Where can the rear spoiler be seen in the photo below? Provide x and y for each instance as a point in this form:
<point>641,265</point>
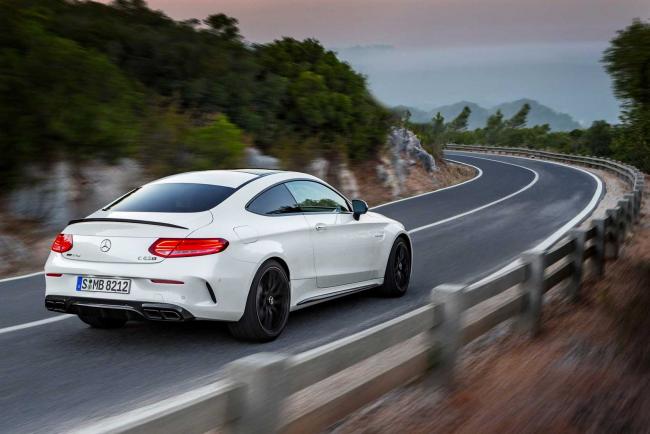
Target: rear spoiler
<point>142,222</point>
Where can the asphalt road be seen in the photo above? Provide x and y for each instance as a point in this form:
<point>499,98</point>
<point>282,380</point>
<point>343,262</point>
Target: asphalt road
<point>61,375</point>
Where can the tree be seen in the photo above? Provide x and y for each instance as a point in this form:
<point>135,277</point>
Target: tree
<point>627,60</point>
<point>597,139</point>
<point>216,145</point>
<point>438,125</point>
<point>59,98</point>
<point>519,119</point>
<point>324,98</point>
<point>460,122</point>
<point>493,128</point>
<point>87,79</point>
<point>223,26</point>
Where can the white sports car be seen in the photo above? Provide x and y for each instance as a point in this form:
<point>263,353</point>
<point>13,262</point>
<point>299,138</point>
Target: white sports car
<point>243,246</point>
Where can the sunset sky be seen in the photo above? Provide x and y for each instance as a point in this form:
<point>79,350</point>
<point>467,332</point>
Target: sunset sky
<point>409,23</point>
<point>487,51</point>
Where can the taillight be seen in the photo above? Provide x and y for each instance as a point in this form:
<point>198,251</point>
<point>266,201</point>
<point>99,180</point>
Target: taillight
<point>183,247</point>
<point>62,243</point>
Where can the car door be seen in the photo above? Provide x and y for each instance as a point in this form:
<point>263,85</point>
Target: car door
<point>279,225</point>
<point>343,248</point>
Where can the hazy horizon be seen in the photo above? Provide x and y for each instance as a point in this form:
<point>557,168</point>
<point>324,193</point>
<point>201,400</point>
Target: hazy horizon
<point>444,51</point>
<point>567,78</point>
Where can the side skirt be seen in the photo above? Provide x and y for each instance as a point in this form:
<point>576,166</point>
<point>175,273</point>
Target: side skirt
<point>332,295</point>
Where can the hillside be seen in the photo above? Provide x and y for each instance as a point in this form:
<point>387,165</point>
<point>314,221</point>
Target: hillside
<point>120,80</point>
<point>539,114</point>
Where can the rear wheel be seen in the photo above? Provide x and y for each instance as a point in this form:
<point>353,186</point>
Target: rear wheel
<point>101,322</point>
<point>267,306</point>
<point>398,270</point>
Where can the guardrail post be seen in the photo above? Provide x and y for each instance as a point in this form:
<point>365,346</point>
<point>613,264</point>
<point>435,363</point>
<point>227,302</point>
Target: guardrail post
<point>264,375</point>
<point>533,287</point>
<point>573,288</point>
<point>613,234</point>
<point>624,205</point>
<point>631,198</point>
<point>599,242</point>
<point>448,336</point>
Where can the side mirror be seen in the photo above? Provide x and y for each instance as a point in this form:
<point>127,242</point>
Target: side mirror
<point>358,207</point>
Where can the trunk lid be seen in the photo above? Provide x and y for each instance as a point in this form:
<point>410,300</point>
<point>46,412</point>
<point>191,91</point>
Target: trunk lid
<point>125,237</point>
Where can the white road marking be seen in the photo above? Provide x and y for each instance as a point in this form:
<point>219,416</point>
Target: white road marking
<point>471,211</point>
<point>24,276</point>
<point>478,171</point>
<point>560,233</point>
<point>34,324</point>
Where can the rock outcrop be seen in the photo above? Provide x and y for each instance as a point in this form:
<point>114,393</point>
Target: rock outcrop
<point>256,159</point>
<point>66,192</point>
<point>404,151</point>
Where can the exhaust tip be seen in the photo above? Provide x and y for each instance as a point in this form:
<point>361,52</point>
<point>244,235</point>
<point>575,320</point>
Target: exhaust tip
<point>170,315</point>
<point>55,305</point>
<point>162,314</point>
<point>152,313</point>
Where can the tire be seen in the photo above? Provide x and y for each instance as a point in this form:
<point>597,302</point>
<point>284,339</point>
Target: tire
<point>101,322</point>
<point>398,270</point>
<point>267,306</point>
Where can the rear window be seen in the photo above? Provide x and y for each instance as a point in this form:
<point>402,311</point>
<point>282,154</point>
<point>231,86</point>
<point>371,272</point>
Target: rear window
<point>172,197</point>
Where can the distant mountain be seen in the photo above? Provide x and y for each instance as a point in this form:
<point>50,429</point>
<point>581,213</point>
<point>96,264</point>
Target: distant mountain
<point>539,114</point>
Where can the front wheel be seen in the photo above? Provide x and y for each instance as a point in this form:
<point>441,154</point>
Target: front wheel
<point>398,270</point>
<point>267,306</point>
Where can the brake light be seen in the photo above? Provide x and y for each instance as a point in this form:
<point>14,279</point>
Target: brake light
<point>62,243</point>
<point>183,247</point>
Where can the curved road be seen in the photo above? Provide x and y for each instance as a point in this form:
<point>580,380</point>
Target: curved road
<point>61,375</point>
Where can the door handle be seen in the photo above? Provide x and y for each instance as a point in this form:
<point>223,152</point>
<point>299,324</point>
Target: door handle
<point>320,226</point>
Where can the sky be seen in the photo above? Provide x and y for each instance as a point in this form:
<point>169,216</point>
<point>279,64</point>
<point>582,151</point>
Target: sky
<point>429,53</point>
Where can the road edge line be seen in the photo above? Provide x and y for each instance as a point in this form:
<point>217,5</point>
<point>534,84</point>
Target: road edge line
<point>31,324</point>
<point>482,207</point>
<point>478,175</point>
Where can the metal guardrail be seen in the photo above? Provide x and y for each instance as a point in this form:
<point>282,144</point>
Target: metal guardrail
<point>251,397</point>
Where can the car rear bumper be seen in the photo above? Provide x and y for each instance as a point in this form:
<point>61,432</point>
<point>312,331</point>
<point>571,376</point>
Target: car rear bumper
<point>209,287</point>
<point>136,310</point>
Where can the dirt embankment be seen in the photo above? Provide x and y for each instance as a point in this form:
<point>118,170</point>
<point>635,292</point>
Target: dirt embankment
<point>588,371</point>
<point>417,182</point>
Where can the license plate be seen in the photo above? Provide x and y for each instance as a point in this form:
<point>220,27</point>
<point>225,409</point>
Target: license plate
<point>103,284</point>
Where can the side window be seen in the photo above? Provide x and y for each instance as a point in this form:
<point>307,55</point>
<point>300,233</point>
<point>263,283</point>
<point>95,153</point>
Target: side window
<point>315,197</point>
<point>275,200</point>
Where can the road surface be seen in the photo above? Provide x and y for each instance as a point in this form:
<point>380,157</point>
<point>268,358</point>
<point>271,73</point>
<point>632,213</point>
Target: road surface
<point>60,375</point>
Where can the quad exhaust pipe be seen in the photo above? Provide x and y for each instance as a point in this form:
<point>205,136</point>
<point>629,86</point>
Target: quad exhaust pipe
<point>150,311</point>
<point>161,314</point>
<point>55,305</point>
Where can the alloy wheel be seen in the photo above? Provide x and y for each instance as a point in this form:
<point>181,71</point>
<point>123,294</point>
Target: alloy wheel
<point>272,293</point>
<point>402,266</point>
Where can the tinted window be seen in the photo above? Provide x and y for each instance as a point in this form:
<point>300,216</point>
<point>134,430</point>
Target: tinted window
<point>171,197</point>
<point>275,200</point>
<point>315,197</point>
